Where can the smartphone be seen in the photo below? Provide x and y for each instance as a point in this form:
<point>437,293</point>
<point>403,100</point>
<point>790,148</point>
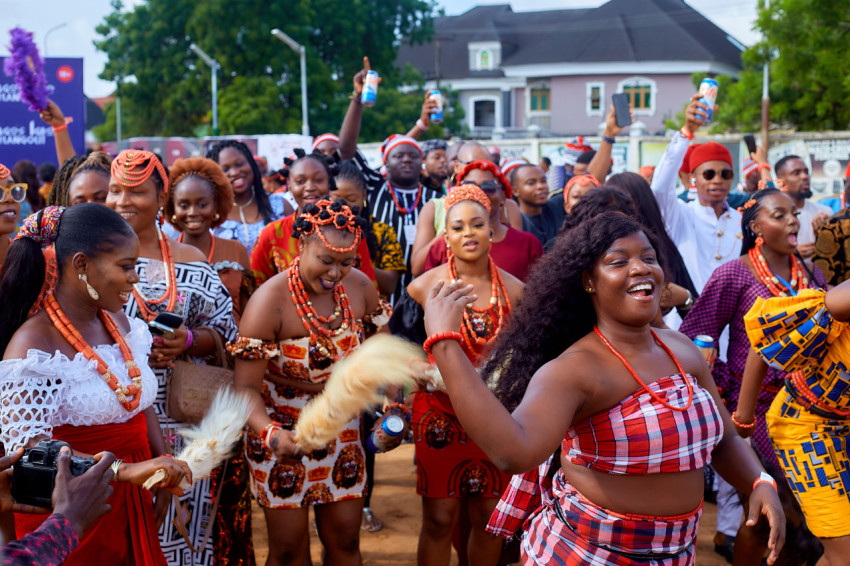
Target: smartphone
<point>621,109</point>
<point>750,140</point>
<point>165,324</point>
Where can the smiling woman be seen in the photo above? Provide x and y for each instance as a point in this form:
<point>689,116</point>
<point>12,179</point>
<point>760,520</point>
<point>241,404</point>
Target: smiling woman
<point>10,209</point>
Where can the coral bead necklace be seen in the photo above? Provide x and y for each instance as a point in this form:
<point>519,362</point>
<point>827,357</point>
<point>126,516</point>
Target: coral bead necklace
<point>170,283</point>
<point>73,336</point>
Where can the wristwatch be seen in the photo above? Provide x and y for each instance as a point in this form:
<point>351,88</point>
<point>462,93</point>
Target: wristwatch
<point>687,304</point>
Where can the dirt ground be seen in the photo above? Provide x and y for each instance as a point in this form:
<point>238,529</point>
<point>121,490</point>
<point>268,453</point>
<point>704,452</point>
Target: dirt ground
<point>396,503</point>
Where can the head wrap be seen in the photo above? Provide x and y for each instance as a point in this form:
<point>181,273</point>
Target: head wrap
<point>4,171</point>
<point>327,213</point>
<point>486,166</point>
<point>582,180</point>
<point>323,138</point>
<point>574,148</point>
<point>396,140</point>
<point>711,151</point>
<point>433,145</point>
<point>750,166</point>
<point>43,226</point>
<point>466,192</point>
<point>128,168</point>
<point>686,168</point>
<point>509,165</point>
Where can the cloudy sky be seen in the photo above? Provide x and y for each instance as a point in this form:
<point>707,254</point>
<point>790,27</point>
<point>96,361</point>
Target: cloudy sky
<point>66,28</point>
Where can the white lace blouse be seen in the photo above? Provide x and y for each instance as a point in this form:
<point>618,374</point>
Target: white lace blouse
<point>43,391</point>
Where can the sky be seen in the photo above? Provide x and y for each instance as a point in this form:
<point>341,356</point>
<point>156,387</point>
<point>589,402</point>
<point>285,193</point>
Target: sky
<point>67,27</point>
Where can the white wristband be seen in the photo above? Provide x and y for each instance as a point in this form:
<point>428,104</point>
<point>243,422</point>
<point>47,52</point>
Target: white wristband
<point>421,125</point>
<point>764,477</point>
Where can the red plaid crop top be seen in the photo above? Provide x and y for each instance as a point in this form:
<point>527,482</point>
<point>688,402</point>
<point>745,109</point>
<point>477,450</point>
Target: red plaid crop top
<point>638,436</point>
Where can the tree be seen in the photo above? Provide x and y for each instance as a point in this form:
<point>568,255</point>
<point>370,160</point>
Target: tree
<point>165,89</point>
<point>809,45</point>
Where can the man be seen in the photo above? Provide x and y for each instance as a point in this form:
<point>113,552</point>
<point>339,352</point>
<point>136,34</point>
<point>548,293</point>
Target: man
<point>545,164</point>
<point>495,154</point>
<point>326,144</point>
<point>541,217</point>
<point>707,231</point>
<point>833,242</point>
<point>469,151</point>
<point>582,161</point>
<point>794,176</point>
<point>752,176</point>
<point>435,167</point>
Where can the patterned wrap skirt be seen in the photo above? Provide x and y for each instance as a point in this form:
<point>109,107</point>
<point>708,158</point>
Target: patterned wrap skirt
<point>813,451</point>
<point>334,473</point>
<point>572,531</point>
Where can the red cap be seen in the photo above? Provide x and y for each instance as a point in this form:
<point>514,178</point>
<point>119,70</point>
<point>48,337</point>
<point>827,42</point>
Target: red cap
<point>685,168</point>
<point>711,151</point>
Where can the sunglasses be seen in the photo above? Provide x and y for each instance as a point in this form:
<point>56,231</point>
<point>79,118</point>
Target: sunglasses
<point>726,174</point>
<point>489,187</point>
<point>18,192</point>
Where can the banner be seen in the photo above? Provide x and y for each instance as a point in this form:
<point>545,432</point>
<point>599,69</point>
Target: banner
<point>23,135</point>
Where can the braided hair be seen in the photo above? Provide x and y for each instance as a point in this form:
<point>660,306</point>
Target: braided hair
<point>96,161</point>
<point>330,165</point>
<point>749,211</point>
<point>326,213</point>
<point>260,194</point>
<point>348,171</point>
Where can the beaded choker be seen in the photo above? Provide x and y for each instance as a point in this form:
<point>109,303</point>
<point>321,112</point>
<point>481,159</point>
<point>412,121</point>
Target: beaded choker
<point>73,336</point>
<point>777,286</point>
<point>170,283</point>
<point>499,299</point>
<point>312,321</point>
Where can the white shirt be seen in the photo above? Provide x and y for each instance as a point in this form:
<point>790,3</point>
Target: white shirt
<point>810,210</point>
<point>705,241</point>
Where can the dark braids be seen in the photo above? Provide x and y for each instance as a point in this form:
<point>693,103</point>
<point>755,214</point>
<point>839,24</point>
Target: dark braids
<point>260,194</point>
<point>348,171</point>
<point>96,161</point>
<point>322,210</point>
<point>329,164</point>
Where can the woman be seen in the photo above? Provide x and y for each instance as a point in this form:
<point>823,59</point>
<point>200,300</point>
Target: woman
<point>75,372</point>
<point>513,250</point>
<point>200,200</point>
<point>310,179</point>
<point>806,335</point>
<point>26,172</point>
<point>634,415</point>
<point>10,209</point>
<point>452,470</point>
<point>82,178</point>
<point>174,278</point>
<point>384,249</point>
<point>304,320</point>
<point>255,208</point>
<point>433,213</point>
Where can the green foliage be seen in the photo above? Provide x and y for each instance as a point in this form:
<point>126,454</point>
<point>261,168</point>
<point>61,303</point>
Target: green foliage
<point>809,71</point>
<point>165,88</point>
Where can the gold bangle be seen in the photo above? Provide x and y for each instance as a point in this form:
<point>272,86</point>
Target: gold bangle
<point>114,467</point>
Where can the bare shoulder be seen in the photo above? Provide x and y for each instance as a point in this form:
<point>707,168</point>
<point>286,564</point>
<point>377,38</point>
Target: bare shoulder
<point>513,285</point>
<point>184,253</point>
<point>37,333</point>
<point>419,288</point>
<point>361,291</point>
<point>683,348</point>
<point>266,308</point>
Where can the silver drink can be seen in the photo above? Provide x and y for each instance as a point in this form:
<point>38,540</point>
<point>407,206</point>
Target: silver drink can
<point>370,89</point>
<point>708,95</point>
<point>437,115</point>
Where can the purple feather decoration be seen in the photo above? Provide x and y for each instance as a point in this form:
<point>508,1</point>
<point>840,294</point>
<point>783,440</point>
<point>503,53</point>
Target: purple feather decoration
<point>27,66</point>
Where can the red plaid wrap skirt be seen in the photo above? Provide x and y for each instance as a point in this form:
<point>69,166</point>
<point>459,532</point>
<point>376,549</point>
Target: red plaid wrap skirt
<point>582,533</point>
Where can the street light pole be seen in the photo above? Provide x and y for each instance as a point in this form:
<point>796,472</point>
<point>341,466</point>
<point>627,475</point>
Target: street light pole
<point>302,51</point>
<point>51,30</point>
<point>765,98</point>
<point>214,66</point>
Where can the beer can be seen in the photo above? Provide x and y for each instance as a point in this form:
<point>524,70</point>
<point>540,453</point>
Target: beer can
<point>387,435</point>
<point>705,344</point>
<point>437,115</point>
<point>370,89</point>
<point>708,95</point>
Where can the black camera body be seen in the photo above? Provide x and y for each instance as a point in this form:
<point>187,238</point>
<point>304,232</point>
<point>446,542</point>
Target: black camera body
<point>34,474</point>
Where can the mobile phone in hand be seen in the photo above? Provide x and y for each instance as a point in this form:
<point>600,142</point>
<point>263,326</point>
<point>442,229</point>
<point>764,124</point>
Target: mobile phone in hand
<point>165,324</point>
<point>750,140</point>
<point>620,101</point>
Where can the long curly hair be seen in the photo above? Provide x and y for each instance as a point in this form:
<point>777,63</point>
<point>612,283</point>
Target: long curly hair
<point>555,311</point>
<point>209,171</point>
<point>260,194</point>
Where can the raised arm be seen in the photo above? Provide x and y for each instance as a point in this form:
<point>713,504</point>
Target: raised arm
<point>424,121</point>
<point>601,162</point>
<point>350,130</point>
<point>54,118</point>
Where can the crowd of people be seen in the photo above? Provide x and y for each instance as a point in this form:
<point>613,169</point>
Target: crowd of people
<point>569,417</point>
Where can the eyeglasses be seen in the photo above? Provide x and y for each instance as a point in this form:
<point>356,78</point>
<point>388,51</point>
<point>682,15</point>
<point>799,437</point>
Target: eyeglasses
<point>709,174</point>
<point>18,192</point>
<point>489,187</point>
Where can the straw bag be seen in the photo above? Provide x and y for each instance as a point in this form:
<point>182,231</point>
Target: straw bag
<point>192,386</point>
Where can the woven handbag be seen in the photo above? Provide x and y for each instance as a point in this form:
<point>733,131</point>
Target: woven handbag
<point>192,387</point>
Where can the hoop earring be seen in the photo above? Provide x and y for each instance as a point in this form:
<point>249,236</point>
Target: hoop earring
<point>92,291</point>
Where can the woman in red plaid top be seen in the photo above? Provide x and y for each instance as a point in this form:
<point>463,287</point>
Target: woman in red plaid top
<point>634,415</point>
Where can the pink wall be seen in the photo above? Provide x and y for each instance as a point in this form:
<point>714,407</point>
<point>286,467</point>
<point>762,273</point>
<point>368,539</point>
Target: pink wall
<point>568,95</point>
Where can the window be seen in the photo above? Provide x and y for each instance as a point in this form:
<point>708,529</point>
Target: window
<point>484,114</point>
<point>484,55</point>
<point>595,105</point>
<point>539,99</point>
<point>641,92</point>
<point>484,62</point>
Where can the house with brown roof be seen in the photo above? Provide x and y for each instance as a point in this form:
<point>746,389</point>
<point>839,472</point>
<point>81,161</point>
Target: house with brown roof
<point>553,72</point>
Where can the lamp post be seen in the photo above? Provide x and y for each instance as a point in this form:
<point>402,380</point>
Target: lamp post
<point>214,66</point>
<point>51,30</point>
<point>302,51</point>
